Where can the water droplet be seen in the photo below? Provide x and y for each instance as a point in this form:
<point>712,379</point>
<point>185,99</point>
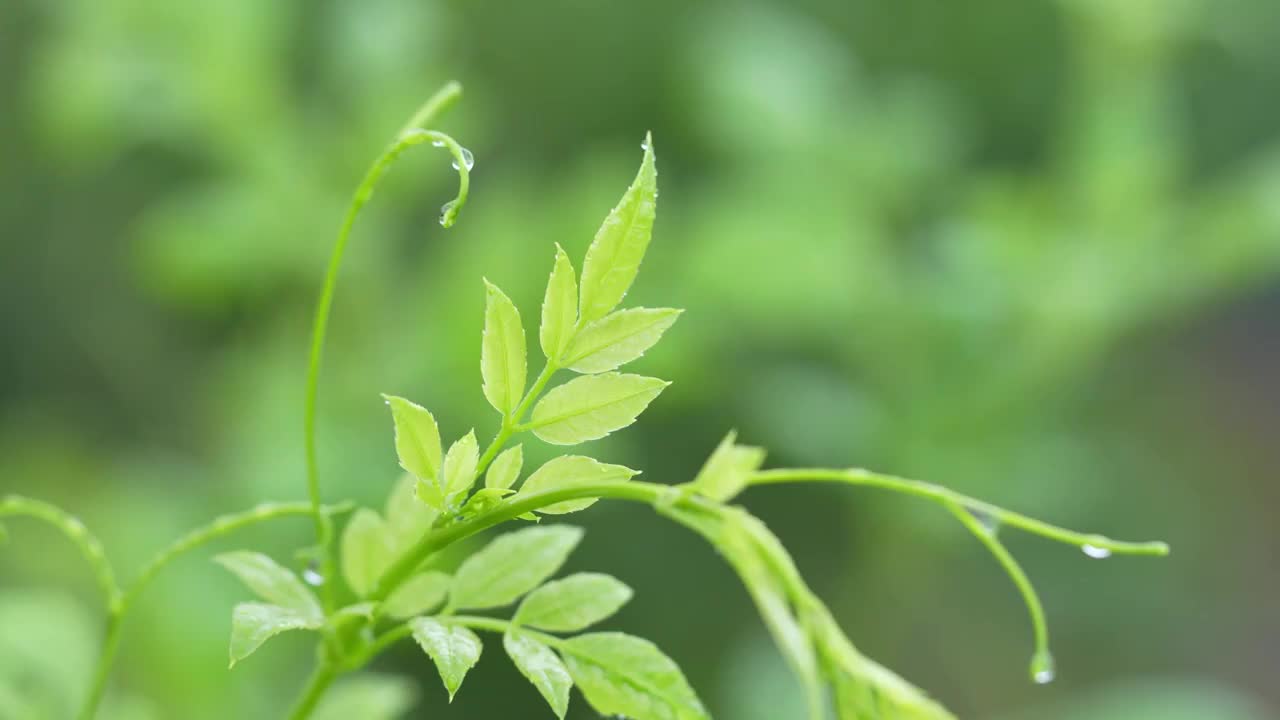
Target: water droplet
<point>447,213</point>
<point>437,143</point>
<point>1042,669</point>
<point>467,158</point>
<point>989,522</point>
<point>644,146</point>
<point>1095,552</point>
<point>312,577</point>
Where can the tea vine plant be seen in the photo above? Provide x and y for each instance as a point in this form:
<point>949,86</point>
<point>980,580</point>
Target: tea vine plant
<point>392,591</point>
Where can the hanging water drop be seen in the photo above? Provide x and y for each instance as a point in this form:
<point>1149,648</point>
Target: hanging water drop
<point>1042,668</point>
<point>447,213</point>
<point>437,143</point>
<point>312,576</point>
<point>1095,552</point>
<point>987,520</point>
<point>467,158</point>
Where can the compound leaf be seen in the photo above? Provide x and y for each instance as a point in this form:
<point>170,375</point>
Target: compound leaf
<point>417,438</point>
<point>570,471</point>
<point>624,675</point>
<point>271,582</point>
<point>591,407</point>
<point>454,649</point>
<point>542,667</point>
<point>420,594</point>
<point>618,338</point>
<point>512,565</point>
<point>559,308</point>
<point>252,624</point>
<point>366,550</point>
<point>573,603</point>
<point>613,259</point>
<point>502,352</point>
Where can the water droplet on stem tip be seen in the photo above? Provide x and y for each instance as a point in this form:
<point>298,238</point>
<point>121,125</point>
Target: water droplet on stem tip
<point>1042,669</point>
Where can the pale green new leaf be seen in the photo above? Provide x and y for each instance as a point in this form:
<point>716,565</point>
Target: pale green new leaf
<point>460,464</point>
<point>483,500</point>
<point>417,438</point>
<point>502,352</point>
<point>591,407</point>
<point>408,517</point>
<point>614,256</point>
<point>419,595</point>
<point>559,308</point>
<point>254,623</point>
<point>728,470</point>
<point>454,649</point>
<point>573,603</point>
<point>618,338</point>
<point>512,565</point>
<point>366,550</point>
<point>505,469</point>
<point>271,582</point>
<point>624,675</point>
<point>542,667</point>
<point>571,471</point>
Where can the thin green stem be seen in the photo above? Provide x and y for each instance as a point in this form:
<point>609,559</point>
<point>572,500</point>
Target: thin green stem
<point>1039,627</point>
<point>517,505</point>
<point>412,135</point>
<point>102,670</point>
<point>75,531</point>
<point>510,424</point>
<point>321,678</point>
<point>945,496</point>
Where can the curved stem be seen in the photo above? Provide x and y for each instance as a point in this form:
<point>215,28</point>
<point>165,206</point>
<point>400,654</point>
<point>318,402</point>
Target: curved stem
<point>88,545</point>
<point>1039,627</point>
<point>407,138</point>
<point>220,527</point>
<point>946,496</point>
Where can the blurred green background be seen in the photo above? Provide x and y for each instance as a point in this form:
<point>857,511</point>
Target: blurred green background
<point>1027,250</point>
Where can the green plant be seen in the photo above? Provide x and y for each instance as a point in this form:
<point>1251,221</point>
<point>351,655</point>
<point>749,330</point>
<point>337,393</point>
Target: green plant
<point>394,593</point>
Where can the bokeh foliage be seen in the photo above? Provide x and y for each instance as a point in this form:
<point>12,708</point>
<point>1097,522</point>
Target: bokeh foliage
<point>1026,250</point>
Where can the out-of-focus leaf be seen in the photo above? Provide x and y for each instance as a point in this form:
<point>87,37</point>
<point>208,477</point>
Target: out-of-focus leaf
<point>419,595</point>
<point>271,582</point>
<point>366,550</point>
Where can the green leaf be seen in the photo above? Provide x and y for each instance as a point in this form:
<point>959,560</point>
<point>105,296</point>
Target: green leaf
<point>366,550</point>
<point>728,470</point>
<point>615,254</point>
<point>618,338</point>
<point>573,603</point>
<point>417,438</point>
<point>408,518</point>
<point>570,471</point>
<point>460,464</point>
<point>255,623</point>
<point>271,582</point>
<point>512,565</point>
<point>591,407</point>
<point>502,352</point>
<point>454,649</point>
<point>559,308</point>
<point>542,667</point>
<point>505,469</point>
<point>624,675</point>
<point>419,595</point>
<point>430,493</point>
